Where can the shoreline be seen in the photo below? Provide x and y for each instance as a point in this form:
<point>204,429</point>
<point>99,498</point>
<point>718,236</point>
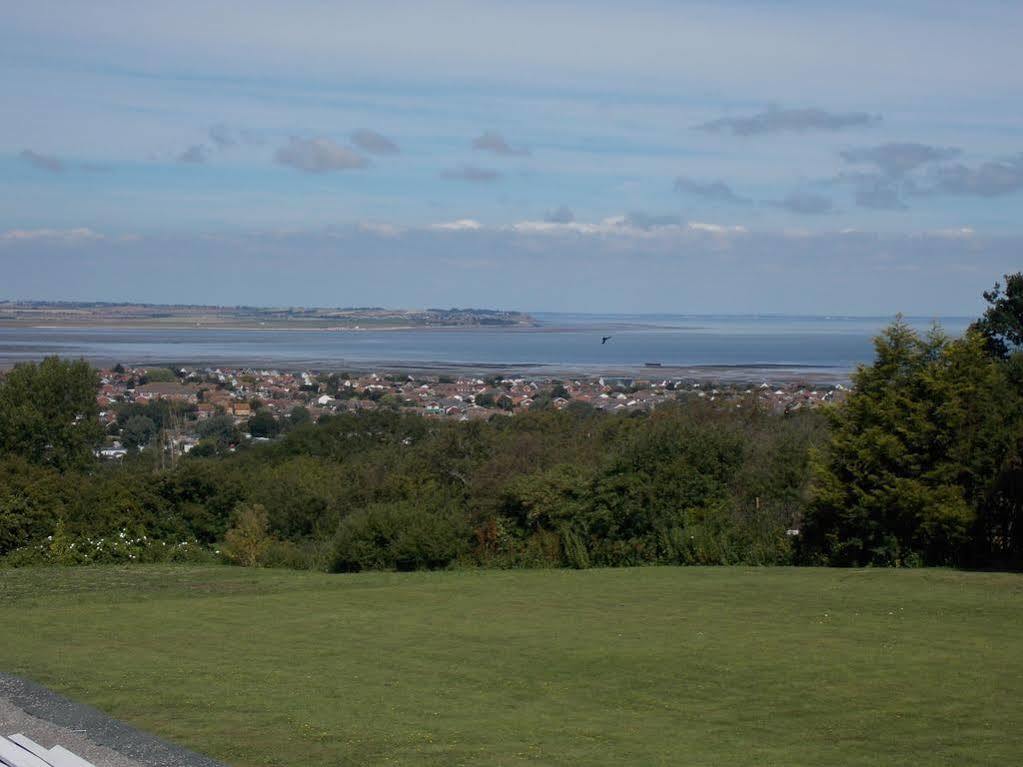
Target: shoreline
<point>778,373</point>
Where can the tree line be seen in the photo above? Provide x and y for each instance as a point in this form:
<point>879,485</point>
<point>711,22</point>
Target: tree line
<point>922,464</point>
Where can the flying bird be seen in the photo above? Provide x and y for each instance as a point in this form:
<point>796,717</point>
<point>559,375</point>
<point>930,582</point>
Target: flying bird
<point>605,339</point>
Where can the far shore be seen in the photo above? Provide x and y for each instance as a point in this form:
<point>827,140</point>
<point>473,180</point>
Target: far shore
<point>303,325</point>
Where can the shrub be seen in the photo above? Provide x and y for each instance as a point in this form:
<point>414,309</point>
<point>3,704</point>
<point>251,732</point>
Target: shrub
<point>123,547</point>
<point>401,536</point>
<point>30,502</point>
<point>248,540</point>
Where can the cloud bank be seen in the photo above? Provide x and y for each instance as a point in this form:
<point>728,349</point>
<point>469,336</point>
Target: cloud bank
<point>497,144</point>
<point>778,120</point>
<point>990,179</point>
<point>717,191</point>
<point>42,161</point>
<point>318,155</point>
<point>471,173</point>
<point>374,143</point>
<point>806,204</point>
<point>664,268</point>
<point>899,158</point>
<point>194,155</point>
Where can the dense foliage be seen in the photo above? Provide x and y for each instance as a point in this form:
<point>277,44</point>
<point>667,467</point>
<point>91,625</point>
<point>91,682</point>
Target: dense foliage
<point>48,413</point>
<point>924,460</point>
<point>687,483</point>
<point>922,464</point>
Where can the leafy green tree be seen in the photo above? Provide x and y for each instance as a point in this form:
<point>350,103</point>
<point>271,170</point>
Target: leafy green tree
<point>219,430</point>
<point>392,401</point>
<point>299,416</point>
<point>558,501</point>
<point>302,495</point>
<point>158,375</point>
<point>138,431</point>
<point>162,412</point>
<point>914,453</point>
<point>263,424</point>
<point>48,413</point>
<point>31,502</point>
<point>1002,322</point>
<point>559,390</point>
<point>249,538</point>
<point>401,536</point>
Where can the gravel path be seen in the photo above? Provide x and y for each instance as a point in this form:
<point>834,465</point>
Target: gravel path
<point>49,719</point>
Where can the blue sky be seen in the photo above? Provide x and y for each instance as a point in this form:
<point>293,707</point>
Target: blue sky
<point>651,156</point>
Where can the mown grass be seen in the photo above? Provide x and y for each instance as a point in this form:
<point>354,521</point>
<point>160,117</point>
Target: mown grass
<point>653,666</point>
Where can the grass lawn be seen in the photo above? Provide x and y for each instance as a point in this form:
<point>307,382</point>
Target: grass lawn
<point>653,666</point>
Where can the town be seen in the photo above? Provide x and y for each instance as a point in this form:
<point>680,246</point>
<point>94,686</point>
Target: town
<point>180,409</point>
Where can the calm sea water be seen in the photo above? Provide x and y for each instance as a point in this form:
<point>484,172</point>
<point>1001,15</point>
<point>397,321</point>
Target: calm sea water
<point>563,342</point>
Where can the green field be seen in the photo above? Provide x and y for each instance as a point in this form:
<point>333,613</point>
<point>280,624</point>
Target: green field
<point>654,666</point>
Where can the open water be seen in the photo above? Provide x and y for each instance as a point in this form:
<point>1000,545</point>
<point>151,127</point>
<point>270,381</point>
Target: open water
<point>830,346</point>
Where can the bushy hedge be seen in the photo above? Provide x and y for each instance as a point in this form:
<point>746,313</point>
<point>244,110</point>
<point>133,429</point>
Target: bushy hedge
<point>401,536</point>
<point>689,483</point>
<point>122,548</point>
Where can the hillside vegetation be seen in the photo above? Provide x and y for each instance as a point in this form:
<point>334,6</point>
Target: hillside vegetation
<point>922,464</point>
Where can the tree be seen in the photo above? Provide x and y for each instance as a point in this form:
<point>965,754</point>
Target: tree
<point>48,413</point>
<point>158,375</point>
<point>299,416</point>
<point>914,454</point>
<point>249,538</point>
<point>138,431</point>
<point>408,535</point>
<point>263,424</point>
<point>559,390</point>
<point>1002,322</point>
<point>162,412</point>
<point>31,503</point>
<point>220,430</point>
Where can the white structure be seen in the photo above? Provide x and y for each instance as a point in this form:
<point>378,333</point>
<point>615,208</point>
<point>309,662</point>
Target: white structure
<point>21,751</point>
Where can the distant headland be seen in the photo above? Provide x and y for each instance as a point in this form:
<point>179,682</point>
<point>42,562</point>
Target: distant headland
<point>77,313</point>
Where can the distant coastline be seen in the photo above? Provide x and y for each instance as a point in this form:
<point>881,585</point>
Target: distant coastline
<point>65,314</point>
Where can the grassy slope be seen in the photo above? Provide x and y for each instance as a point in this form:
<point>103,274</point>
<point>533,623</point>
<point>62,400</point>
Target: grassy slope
<point>647,666</point>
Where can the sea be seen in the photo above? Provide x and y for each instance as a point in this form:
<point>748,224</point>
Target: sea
<point>712,346</point>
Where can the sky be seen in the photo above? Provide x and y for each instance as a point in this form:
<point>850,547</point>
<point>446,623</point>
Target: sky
<point>690,157</point>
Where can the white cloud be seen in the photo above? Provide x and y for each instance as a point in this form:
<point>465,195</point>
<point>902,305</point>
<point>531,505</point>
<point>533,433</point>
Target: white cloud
<point>625,226</point>
<point>614,225</point>
<point>79,234</point>
<point>382,229</point>
<point>961,232</point>
<point>461,225</point>
<point>700,226</point>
